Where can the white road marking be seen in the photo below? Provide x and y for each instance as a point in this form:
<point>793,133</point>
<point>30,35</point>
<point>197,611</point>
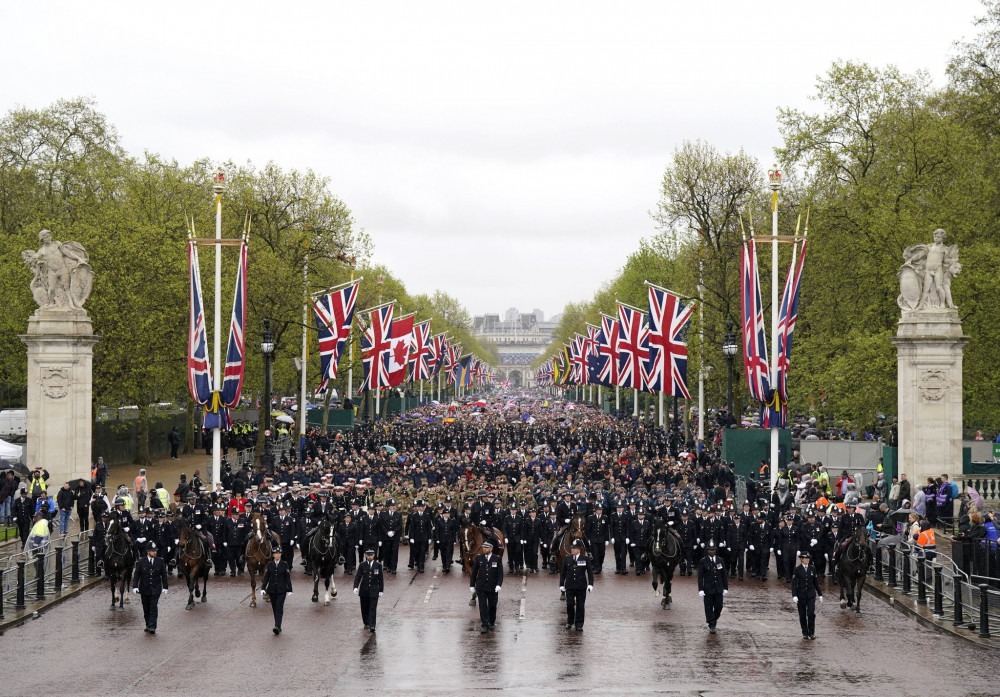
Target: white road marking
<point>430,590</point>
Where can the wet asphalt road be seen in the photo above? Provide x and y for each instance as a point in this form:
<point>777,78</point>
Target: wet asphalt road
<point>428,642</point>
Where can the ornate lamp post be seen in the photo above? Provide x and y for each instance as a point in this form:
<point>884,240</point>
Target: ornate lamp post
<point>267,348</point>
<point>729,349</point>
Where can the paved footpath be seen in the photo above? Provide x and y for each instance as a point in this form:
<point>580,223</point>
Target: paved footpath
<point>428,642</point>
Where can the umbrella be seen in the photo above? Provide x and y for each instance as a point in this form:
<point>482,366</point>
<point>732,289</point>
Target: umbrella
<point>975,497</point>
<point>285,419</point>
<point>889,541</point>
<point>389,449</point>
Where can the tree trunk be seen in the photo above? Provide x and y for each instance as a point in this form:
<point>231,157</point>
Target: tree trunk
<point>142,436</point>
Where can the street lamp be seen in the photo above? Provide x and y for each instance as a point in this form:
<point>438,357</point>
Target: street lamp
<point>729,349</point>
<point>267,348</point>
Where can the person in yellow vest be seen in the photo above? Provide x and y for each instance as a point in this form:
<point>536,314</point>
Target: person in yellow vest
<point>823,477</point>
<point>38,538</point>
<point>162,495</point>
<point>123,494</point>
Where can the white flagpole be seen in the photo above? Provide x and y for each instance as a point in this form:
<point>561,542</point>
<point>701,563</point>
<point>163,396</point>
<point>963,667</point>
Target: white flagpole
<point>218,188</point>
<point>305,350</point>
<point>701,356</point>
<point>775,179</point>
<point>661,408</point>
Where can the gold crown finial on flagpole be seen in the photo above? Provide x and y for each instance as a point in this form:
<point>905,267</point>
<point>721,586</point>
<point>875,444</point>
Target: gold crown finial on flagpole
<point>774,178</point>
<point>219,182</point>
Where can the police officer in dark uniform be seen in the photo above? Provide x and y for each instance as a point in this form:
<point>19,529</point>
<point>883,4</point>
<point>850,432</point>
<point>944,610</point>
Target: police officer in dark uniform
<point>369,583</point>
<point>219,527</point>
<point>97,537</point>
<point>598,532</point>
<point>576,579</point>
<point>418,529</point>
<point>237,529</point>
<point>688,532</point>
<point>532,530</point>
<point>284,525</point>
<point>150,581</point>
<point>713,584</point>
<point>511,528</point>
<point>486,581</point>
<point>638,538</point>
<point>805,590</point>
<point>390,531</point>
<point>445,535</point>
<point>619,525</point>
<point>277,582</point>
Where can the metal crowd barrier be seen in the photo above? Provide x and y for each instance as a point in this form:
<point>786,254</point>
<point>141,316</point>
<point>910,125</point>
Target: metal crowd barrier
<point>970,600</point>
<point>32,575</point>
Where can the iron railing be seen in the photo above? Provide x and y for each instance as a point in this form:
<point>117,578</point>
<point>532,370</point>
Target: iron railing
<point>32,575</point>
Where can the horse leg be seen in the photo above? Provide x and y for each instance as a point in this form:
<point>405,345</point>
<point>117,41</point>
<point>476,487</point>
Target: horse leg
<point>253,586</point>
<point>191,584</point>
<point>843,596</point>
<point>204,589</point>
<point>315,597</point>
<point>668,577</point>
<point>656,578</point>
<point>857,604</point>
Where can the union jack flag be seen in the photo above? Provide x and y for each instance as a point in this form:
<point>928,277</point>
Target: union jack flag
<point>504,384</point>
<point>633,348</point>
<point>435,359</point>
<point>199,367</point>
<point>754,339</point>
<point>787,315</point>
<point>452,352</point>
<point>668,321</point>
<point>421,351</point>
<point>232,378</point>
<point>376,344</point>
<point>607,351</point>
<point>580,353</point>
<point>334,316</point>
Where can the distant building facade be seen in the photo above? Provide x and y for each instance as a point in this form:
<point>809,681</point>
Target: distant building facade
<point>519,339</point>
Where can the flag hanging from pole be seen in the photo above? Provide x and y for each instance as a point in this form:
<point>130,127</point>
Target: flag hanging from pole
<point>375,347</point>
<point>607,351</point>
<point>399,354</point>
<point>334,312</point>
<point>434,360</point>
<point>633,347</point>
<point>199,367</point>
<point>421,351</point>
<point>232,378</point>
<point>754,340</point>
<point>776,411</point>
<point>666,370</point>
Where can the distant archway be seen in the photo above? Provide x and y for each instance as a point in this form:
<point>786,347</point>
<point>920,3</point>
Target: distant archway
<point>515,378</point>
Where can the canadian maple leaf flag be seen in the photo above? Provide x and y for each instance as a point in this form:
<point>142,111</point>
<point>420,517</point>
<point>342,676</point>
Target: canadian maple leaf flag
<point>399,354</point>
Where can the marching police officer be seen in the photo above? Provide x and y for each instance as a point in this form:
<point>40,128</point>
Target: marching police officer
<point>576,580</point>
<point>805,590</point>
<point>713,584</point>
<point>150,581</point>
<point>369,585</point>
<point>487,578</point>
<point>598,531</point>
<point>277,582</point>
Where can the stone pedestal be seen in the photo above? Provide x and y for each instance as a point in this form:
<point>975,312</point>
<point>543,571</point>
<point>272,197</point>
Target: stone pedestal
<point>60,384</point>
<point>929,356</point>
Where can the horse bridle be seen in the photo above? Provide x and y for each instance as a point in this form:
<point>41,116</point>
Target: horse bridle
<point>193,537</point>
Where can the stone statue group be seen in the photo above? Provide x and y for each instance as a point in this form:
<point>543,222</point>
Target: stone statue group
<point>926,273</point>
<point>63,276</point>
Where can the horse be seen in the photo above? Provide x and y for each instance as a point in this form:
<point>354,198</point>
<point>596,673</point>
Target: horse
<point>664,554</point>
<point>322,556</point>
<point>119,561</point>
<point>852,569</point>
<point>192,561</point>
<point>470,543</point>
<point>258,551</point>
<point>573,531</point>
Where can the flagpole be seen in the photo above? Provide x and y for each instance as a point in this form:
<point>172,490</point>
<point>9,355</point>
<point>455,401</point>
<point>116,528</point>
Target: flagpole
<point>350,357</point>
<point>661,408</point>
<point>220,370</point>
<point>775,183</point>
<point>701,357</point>
<point>635,403</point>
<point>305,350</point>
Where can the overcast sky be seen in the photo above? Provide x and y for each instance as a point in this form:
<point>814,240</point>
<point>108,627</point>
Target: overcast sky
<point>506,153</point>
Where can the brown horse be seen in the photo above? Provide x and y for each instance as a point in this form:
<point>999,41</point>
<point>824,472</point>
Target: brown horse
<point>192,561</point>
<point>258,551</point>
<point>470,544</point>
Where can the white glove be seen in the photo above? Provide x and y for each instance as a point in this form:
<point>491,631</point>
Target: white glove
<point>827,557</point>
<point>632,545</point>
<point>379,544</point>
<point>812,542</point>
<point>701,594</point>
<point>506,541</point>
<point>472,590</point>
<point>722,544</point>
<point>176,541</point>
<point>391,533</point>
<point>725,592</point>
<point>751,548</point>
<point>497,589</point>
<point>821,600</point>
<point>771,549</point>
<point>356,592</point>
<point>590,588</point>
<point>225,544</point>
<point>795,599</point>
<point>196,527</point>
<point>524,542</point>
<point>612,540</point>
<point>562,589</point>
<point>380,594</point>
<point>140,539</point>
<point>703,546</point>
<point>136,591</point>
<point>290,593</point>
<point>411,540</point>
<point>626,540</point>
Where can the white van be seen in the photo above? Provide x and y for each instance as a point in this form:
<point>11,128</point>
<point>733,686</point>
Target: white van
<point>14,424</point>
